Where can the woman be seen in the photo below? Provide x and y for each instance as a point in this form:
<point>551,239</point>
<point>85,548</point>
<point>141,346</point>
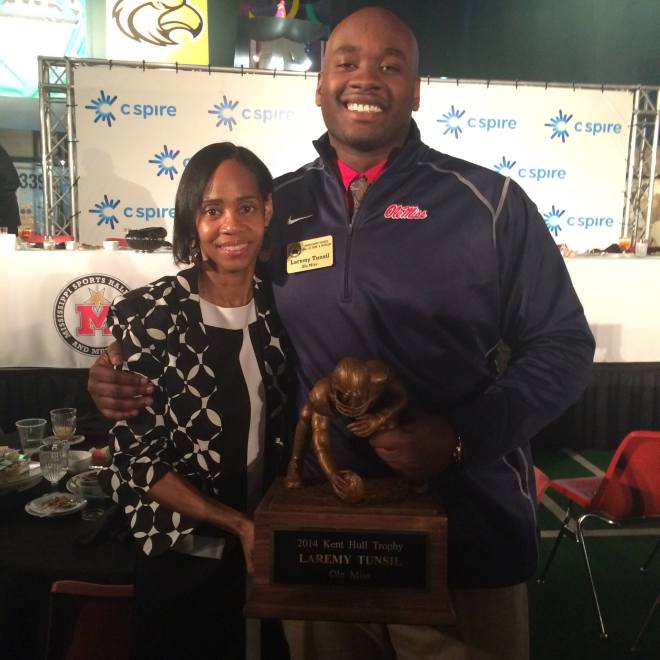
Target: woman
<point>191,467</point>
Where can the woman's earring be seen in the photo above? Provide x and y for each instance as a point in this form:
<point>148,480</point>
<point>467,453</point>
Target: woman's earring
<point>196,254</point>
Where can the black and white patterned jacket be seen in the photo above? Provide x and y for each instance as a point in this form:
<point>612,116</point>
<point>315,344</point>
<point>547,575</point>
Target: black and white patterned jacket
<point>163,338</point>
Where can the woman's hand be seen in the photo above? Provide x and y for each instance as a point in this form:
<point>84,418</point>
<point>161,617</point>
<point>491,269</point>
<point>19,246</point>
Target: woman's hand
<point>246,535</point>
<point>178,494</point>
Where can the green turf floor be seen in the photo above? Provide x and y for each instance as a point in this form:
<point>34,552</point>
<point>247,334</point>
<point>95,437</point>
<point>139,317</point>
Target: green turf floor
<point>563,623</point>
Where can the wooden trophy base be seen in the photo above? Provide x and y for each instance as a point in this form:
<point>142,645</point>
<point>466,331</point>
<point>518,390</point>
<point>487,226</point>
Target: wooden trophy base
<point>383,560</point>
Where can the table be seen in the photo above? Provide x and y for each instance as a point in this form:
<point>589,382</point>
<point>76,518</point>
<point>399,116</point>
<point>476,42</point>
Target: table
<point>46,295</point>
<point>34,552</point>
<point>619,294</point>
<point>54,302</point>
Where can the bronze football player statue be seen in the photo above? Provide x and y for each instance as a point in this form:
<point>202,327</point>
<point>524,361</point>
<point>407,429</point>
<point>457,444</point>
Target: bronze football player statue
<point>365,391</point>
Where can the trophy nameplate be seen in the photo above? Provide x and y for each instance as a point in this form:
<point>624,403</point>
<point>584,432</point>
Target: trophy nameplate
<point>383,559</point>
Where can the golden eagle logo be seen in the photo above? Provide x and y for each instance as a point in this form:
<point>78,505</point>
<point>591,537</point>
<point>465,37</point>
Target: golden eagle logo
<point>154,22</point>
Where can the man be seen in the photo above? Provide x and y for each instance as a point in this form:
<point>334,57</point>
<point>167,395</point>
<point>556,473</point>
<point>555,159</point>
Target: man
<point>9,184</point>
<point>436,266</point>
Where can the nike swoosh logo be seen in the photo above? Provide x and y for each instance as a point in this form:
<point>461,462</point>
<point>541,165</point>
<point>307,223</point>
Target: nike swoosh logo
<point>292,221</point>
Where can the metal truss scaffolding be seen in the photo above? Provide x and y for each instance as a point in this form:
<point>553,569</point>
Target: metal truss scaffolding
<point>56,103</point>
<point>58,141</point>
<point>642,164</point>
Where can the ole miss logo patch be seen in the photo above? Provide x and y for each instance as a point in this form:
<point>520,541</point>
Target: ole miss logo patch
<point>403,212</point>
<point>81,310</point>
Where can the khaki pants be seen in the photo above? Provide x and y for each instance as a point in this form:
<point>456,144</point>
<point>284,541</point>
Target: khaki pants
<point>491,624</point>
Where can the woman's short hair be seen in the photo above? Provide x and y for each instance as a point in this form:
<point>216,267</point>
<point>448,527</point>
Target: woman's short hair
<point>193,181</point>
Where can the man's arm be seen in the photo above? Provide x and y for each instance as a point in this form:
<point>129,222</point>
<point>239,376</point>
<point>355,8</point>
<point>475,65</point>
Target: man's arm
<point>542,321</point>
<point>117,394</point>
<point>552,353</point>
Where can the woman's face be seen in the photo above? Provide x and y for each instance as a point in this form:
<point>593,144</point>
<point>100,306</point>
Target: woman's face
<point>232,218</point>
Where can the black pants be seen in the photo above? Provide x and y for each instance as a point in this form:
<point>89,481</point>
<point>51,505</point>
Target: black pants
<point>191,608</point>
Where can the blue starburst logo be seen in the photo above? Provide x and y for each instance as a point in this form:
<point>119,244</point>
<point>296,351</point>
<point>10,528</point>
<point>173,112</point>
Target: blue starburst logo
<point>505,166</point>
<point>102,108</point>
<point>452,119</point>
<point>559,126</point>
<point>552,220</point>
<point>105,211</point>
<point>165,161</point>
<point>223,110</point>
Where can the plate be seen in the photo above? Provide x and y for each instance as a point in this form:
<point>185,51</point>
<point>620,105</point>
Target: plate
<point>76,440</point>
<point>25,481</point>
<point>55,504</point>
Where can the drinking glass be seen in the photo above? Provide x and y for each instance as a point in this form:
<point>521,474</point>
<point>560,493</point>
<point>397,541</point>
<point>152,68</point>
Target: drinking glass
<point>624,244</point>
<point>54,459</point>
<point>31,432</point>
<point>63,421</point>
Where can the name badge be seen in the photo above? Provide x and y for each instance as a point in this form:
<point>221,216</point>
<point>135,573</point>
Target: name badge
<point>309,255</point>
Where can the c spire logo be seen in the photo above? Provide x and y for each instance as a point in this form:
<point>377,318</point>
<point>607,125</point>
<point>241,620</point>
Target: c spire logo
<point>452,121</point>
<point>106,211</point>
<point>165,161</point>
<point>559,126</point>
<point>102,107</point>
<point>223,112</point>
<point>552,219</point>
<point>504,166</point>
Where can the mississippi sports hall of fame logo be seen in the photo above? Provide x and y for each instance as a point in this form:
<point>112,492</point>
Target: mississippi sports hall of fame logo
<point>81,310</point>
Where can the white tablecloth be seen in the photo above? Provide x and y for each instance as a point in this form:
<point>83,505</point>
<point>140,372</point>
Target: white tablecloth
<point>621,299</point>
<point>52,303</point>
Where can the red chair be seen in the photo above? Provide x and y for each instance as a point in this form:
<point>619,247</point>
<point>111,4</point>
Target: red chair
<point>628,493</point>
<point>542,482</point>
<point>88,620</point>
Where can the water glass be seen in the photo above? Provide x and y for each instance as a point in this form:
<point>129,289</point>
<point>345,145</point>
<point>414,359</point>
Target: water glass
<point>94,509</point>
<point>54,459</point>
<point>641,248</point>
<point>31,432</point>
<point>63,421</point>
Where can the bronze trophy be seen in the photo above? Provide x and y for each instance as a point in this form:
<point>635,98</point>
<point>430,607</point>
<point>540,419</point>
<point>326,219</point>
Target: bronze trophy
<point>349,549</point>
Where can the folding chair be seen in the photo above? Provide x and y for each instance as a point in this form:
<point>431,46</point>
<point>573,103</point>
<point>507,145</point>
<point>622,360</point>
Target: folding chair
<point>542,482</point>
<point>89,620</point>
<point>656,604</point>
<point>647,563</point>
<point>628,493</point>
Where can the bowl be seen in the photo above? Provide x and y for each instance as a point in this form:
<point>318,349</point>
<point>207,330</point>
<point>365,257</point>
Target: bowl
<point>88,484</point>
<point>79,460</point>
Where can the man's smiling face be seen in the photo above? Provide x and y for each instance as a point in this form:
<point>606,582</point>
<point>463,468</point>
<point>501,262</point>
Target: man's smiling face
<point>369,85</point>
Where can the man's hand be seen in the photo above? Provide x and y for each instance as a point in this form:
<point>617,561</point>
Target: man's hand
<point>117,394</point>
<point>420,449</point>
<point>365,425</point>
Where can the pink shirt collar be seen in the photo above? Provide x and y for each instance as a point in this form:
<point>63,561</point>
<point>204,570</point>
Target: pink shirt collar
<point>348,173</point>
